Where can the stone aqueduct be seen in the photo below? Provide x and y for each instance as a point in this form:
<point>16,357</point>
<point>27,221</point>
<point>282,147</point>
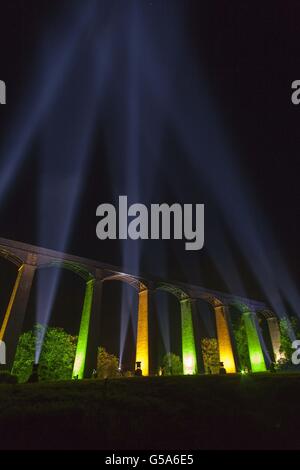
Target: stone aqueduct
<point>29,258</point>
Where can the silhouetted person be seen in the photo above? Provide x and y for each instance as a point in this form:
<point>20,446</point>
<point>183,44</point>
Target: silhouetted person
<point>94,374</point>
<point>222,370</point>
<point>138,371</point>
<point>272,367</point>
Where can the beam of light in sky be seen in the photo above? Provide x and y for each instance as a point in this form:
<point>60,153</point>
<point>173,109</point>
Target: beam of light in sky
<point>237,212</point>
<point>129,305</point>
<point>198,123</point>
<point>281,273</point>
<point>205,311</point>
<point>224,262</point>
<point>69,127</point>
<point>162,308</point>
<point>128,145</point>
<point>131,251</point>
<point>183,99</point>
<point>165,104</point>
<point>42,92</point>
<point>124,133</point>
<point>217,247</point>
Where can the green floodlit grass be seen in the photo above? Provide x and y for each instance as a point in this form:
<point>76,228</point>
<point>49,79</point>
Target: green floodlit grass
<point>191,412</point>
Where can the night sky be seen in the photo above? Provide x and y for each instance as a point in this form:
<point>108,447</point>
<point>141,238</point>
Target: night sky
<point>177,88</point>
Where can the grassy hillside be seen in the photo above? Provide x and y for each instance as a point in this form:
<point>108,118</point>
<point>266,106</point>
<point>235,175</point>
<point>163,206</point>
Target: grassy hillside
<point>192,412</point>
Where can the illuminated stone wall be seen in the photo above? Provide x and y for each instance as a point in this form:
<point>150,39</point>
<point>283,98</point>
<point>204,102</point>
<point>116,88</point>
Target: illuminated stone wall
<point>255,351</point>
<point>79,363</point>
<point>275,337</point>
<point>224,340</point>
<point>189,358</point>
<point>142,347</point>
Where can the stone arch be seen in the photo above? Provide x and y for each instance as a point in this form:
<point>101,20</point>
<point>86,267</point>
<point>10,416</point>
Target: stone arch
<point>272,331</point>
<point>189,356</point>
<point>84,329</point>
<point>16,262</point>
<point>131,280</point>
<point>242,307</point>
<point>266,313</point>
<point>212,299</point>
<point>142,340</point>
<point>76,268</point>
<point>179,293</point>
<point>224,336</point>
<point>10,256</point>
